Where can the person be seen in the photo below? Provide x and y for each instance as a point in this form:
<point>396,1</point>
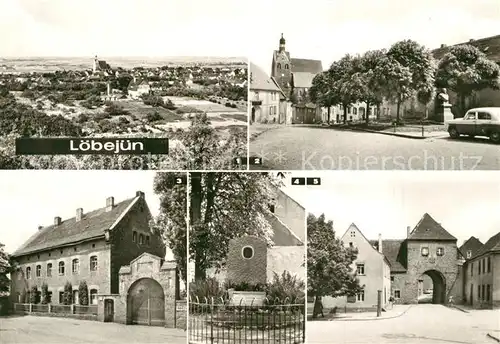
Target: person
<point>318,308</point>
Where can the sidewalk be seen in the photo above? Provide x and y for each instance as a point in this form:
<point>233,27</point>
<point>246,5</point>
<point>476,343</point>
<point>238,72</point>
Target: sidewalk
<point>395,312</point>
<point>417,134</point>
<point>256,129</point>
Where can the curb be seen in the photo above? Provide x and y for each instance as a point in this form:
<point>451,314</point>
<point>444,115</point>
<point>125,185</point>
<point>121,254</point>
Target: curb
<point>495,338</point>
<point>370,319</point>
<point>256,135</point>
<point>459,308</point>
<point>390,134</point>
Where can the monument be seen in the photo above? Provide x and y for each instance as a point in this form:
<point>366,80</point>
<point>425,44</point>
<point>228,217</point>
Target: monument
<point>444,113</point>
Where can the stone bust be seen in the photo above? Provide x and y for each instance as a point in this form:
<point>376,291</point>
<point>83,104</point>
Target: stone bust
<point>443,96</point>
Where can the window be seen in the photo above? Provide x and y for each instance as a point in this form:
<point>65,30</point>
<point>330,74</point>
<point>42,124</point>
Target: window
<point>392,278</point>
<point>61,268</point>
<point>488,292</point>
<point>38,271</point>
<point>483,289</point>
<point>397,294</point>
<point>134,236</point>
<point>286,66</point>
<point>61,297</point>
<point>479,292</point>
<point>278,65</point>
<point>472,269</point>
<point>75,266</point>
<point>75,297</point>
<point>479,268</point>
<point>353,233</point>
<point>247,252</point>
<point>361,296</point>
<point>484,266</point>
<point>49,297</point>
<point>489,264</point>
<point>360,269</point>
<point>49,269</point>
<point>28,272</point>
<point>93,263</point>
<point>470,116</point>
<point>483,116</point>
<point>351,245</point>
<point>469,254</point>
<point>141,239</point>
<point>147,240</point>
<point>440,251</point>
<point>93,296</point>
<point>425,251</point>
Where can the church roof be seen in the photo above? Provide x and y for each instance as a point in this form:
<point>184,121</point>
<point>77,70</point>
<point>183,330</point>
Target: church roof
<point>428,229</point>
<point>102,64</point>
<point>302,79</point>
<point>488,45</point>
<point>473,245</point>
<point>259,80</point>
<point>306,66</point>
<point>492,245</point>
<point>92,225</point>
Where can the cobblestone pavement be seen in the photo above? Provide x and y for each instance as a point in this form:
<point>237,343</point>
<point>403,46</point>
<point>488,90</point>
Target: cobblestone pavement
<point>308,148</point>
<point>49,330</point>
<point>422,324</point>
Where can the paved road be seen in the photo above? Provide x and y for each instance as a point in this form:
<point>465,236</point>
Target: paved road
<point>422,324</point>
<point>48,330</point>
<point>310,148</point>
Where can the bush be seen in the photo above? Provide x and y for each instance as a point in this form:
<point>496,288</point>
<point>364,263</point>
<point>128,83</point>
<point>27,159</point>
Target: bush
<point>245,286</point>
<point>34,294</point>
<point>83,292</point>
<point>207,289</point>
<point>82,118</point>
<point>153,117</point>
<point>68,294</point>
<point>286,286</point>
<point>45,293</point>
<point>228,104</point>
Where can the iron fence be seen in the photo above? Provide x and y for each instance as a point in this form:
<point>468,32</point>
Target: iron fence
<point>55,309</point>
<point>218,321</point>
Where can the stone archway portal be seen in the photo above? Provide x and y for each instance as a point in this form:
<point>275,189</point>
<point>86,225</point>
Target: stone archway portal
<point>438,286</point>
<point>147,303</point>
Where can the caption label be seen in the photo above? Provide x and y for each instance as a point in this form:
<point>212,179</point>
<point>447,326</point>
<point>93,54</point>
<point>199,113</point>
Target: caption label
<point>306,181</point>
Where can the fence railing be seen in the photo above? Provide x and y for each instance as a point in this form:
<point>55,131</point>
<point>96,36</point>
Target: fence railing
<point>55,309</point>
<point>220,321</point>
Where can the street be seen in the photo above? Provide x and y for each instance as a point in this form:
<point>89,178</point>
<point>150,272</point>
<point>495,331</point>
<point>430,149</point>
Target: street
<point>424,324</point>
<point>51,330</point>
<point>311,148</point>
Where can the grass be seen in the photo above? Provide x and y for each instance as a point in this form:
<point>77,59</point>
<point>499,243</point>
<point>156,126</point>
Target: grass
<point>140,110</point>
<point>239,117</point>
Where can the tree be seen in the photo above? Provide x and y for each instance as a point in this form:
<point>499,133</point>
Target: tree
<point>45,293</point>
<point>372,92</point>
<point>329,263</point>
<point>68,294</point>
<point>5,269</point>
<point>321,92</point>
<point>171,221</point>
<point>226,206</point>
<point>34,295</point>
<point>83,293</point>
<point>412,69</point>
<point>465,69</point>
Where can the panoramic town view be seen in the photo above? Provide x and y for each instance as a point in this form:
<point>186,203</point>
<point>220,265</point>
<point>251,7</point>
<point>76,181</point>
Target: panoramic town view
<point>419,92</point>
<point>386,264</point>
<point>93,257</point>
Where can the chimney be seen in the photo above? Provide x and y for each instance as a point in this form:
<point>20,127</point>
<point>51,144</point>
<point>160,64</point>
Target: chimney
<point>79,214</point>
<point>380,243</point>
<point>139,194</point>
<point>110,203</point>
<point>408,231</point>
<point>57,221</point>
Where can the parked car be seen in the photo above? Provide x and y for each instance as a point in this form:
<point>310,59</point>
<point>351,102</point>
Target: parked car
<point>477,122</point>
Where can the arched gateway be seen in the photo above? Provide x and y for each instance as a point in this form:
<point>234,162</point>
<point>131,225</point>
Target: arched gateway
<point>146,302</point>
<point>438,295</point>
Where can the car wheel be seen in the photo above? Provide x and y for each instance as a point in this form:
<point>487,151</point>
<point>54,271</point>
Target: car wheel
<point>495,137</point>
<point>453,133</point>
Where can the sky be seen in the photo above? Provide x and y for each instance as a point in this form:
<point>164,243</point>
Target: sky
<point>465,203</point>
<point>29,199</point>
<point>123,28</point>
<point>328,29</point>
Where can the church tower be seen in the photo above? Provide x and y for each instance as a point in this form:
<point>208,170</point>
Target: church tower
<point>94,67</point>
<point>281,67</point>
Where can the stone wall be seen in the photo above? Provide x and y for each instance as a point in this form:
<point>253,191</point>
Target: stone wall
<point>243,270</point>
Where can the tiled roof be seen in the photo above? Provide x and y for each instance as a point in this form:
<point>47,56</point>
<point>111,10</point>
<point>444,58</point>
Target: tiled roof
<point>260,81</point>
<point>428,229</point>
<point>92,225</point>
<point>302,79</point>
<point>306,66</point>
<point>472,244</point>
<point>492,245</point>
<point>395,252</point>
<point>102,64</point>
<point>283,236</point>
<point>489,45</point>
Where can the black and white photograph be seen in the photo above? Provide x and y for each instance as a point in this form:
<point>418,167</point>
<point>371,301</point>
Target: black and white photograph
<point>247,253</point>
<point>406,257</point>
<point>385,85</point>
<point>156,69</point>
<point>93,257</point>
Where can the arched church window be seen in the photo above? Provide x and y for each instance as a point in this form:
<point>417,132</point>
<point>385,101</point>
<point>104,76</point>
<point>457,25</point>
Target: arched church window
<point>279,65</point>
<point>286,66</point>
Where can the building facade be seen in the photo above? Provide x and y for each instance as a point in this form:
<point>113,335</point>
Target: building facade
<point>93,247</point>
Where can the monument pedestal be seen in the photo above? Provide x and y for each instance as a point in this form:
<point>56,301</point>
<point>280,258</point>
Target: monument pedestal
<point>247,298</point>
<point>447,114</point>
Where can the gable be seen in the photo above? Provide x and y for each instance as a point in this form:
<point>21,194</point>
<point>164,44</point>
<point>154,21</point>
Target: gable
<point>492,245</point>
<point>473,245</point>
<point>429,229</point>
